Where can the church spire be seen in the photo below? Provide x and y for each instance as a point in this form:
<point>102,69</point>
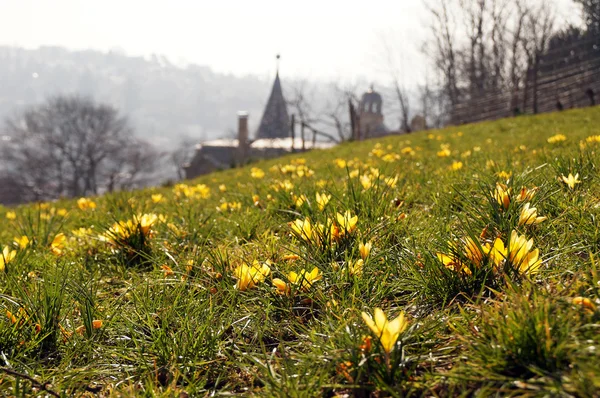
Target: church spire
<point>275,122</point>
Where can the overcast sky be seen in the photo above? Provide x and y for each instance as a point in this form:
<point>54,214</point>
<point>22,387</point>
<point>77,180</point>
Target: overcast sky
<point>318,39</point>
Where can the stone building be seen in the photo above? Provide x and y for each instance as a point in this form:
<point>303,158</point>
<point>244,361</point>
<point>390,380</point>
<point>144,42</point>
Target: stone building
<point>272,140</point>
<point>371,116</point>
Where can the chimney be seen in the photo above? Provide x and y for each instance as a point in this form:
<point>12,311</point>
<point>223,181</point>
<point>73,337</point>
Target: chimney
<point>242,128</point>
<point>243,144</point>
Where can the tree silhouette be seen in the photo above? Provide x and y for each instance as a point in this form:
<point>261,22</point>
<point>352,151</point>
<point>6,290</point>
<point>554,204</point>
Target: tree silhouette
<point>70,146</point>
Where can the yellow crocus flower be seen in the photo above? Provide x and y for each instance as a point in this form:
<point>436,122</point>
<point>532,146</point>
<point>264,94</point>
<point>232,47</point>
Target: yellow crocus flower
<point>322,200</point>
<point>496,252</point>
<point>82,232</point>
<point>585,303</point>
<point>145,222</point>
<point>366,181</point>
<point>58,244</point>
<point>453,263</point>
<point>282,287</point>
<point>302,229</point>
<point>390,157</point>
<point>505,175</point>
<point>529,215</point>
<point>257,173</point>
<point>22,242</point>
<point>365,249</point>
<point>157,198</point>
<point>473,251</point>
<point>445,152</point>
<point>6,257</point>
<point>391,181</point>
<point>386,331</point>
<point>11,317</point>
<point>85,203</point>
<point>249,276</point>
<point>347,222</point>
<point>557,138</point>
<point>571,180</point>
<point>407,151</point>
<point>520,254</point>
<point>341,163</point>
<point>235,205</point>
<point>119,230</point>
<point>299,200</point>
<point>502,195</point>
<point>526,194</point>
<point>305,279</point>
<point>456,165</point>
<point>355,268</point>
<point>202,191</point>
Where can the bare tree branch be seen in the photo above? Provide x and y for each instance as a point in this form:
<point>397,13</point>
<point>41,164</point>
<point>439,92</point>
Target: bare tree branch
<point>70,146</point>
<point>34,382</point>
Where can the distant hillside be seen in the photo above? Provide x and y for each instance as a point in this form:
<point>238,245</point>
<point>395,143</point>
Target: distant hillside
<point>163,101</point>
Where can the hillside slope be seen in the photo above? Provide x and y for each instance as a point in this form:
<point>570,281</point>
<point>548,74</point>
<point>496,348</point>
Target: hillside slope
<point>442,263</point>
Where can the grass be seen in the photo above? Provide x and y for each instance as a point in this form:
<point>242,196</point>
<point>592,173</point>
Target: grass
<point>246,282</point>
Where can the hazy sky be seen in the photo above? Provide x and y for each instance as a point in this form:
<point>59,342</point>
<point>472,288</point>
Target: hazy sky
<point>318,39</point>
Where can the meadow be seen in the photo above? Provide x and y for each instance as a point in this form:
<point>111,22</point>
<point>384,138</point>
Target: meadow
<point>452,262</point>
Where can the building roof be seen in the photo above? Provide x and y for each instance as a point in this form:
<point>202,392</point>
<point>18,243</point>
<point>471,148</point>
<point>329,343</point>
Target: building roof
<point>371,96</point>
<point>275,122</point>
<point>266,143</point>
<point>220,142</point>
<point>287,143</point>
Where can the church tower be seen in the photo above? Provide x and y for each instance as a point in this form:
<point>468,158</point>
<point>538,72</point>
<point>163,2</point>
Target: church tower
<point>275,122</point>
<point>371,117</point>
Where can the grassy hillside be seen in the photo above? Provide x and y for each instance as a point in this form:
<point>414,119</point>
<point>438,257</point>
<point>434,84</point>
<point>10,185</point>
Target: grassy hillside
<point>447,262</point>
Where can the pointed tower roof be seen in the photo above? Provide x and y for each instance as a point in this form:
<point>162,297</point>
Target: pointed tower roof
<point>275,122</point>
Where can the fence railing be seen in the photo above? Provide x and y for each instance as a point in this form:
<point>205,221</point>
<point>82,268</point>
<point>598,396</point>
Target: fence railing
<point>567,77</point>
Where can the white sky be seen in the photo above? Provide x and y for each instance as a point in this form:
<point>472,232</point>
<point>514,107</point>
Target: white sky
<point>318,39</point>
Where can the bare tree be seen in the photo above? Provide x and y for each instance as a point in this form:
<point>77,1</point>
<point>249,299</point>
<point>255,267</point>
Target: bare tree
<point>517,67</point>
<point>70,146</point>
<point>182,155</point>
<point>482,59</point>
<point>301,102</point>
<point>336,114</point>
<point>591,14</point>
<point>496,47</point>
<point>131,167</point>
<point>433,103</point>
<point>539,30</point>
<point>499,14</point>
<point>442,50</point>
<point>319,115</point>
<point>400,92</point>
<point>474,12</point>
